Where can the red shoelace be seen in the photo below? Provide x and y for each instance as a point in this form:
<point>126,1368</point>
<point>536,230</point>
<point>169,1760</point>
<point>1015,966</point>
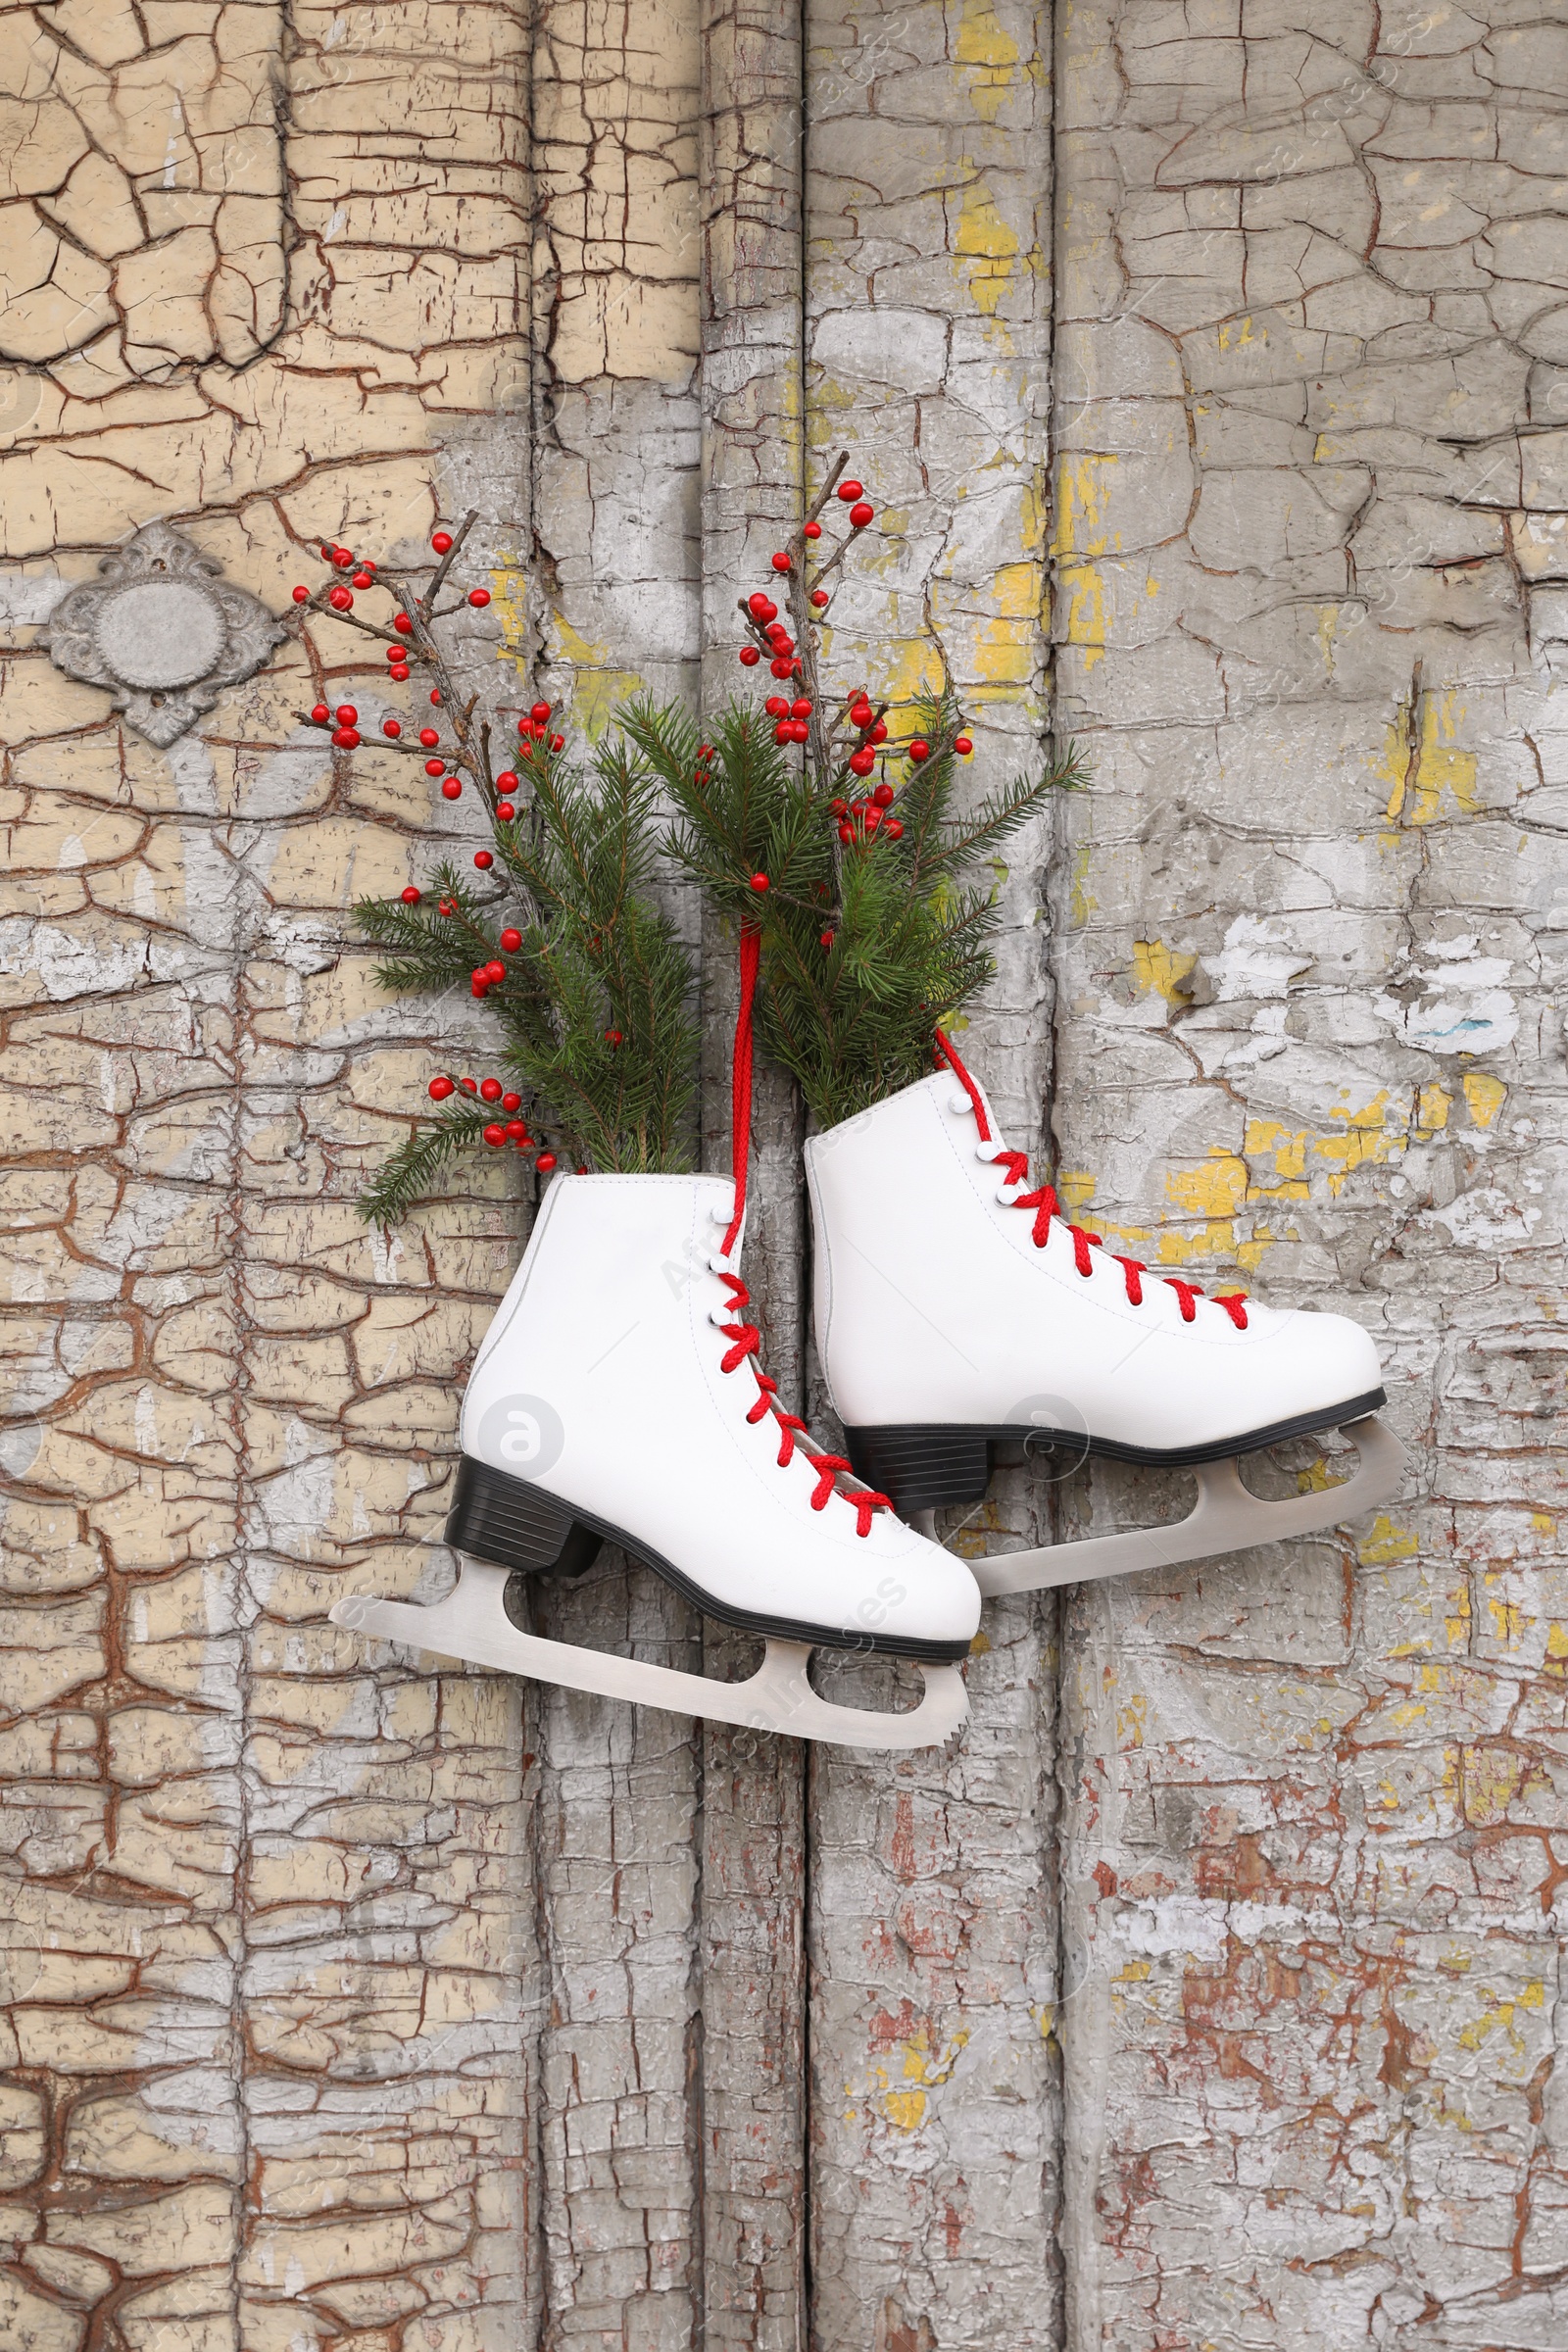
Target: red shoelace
<point>744,1338</point>
<point>1048,1209</point>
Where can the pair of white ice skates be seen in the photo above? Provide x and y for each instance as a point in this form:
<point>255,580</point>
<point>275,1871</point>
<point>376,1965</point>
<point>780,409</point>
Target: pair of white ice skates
<point>618,1397</point>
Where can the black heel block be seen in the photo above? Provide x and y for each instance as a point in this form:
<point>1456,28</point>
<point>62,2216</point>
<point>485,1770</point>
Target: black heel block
<point>504,1519</point>
<point>922,1468</point>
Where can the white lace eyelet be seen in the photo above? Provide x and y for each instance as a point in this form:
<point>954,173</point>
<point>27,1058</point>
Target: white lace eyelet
<point>719,1316</point>
<point>990,1151</point>
<point>957,1104</point>
<point>1008,1194</point>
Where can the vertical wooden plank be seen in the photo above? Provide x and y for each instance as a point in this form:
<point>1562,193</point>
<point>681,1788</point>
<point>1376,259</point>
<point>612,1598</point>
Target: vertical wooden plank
<point>1305,927</point>
<point>935,2106</point>
<point>753,2095</point>
<point>617,1823</point>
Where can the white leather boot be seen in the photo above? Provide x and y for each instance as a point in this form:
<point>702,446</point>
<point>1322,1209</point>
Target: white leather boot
<point>617,1396</point>
<point>957,1307</point>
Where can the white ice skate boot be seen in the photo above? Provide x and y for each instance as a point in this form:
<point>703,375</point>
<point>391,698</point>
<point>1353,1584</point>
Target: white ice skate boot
<point>617,1396</point>
<point>956,1307</point>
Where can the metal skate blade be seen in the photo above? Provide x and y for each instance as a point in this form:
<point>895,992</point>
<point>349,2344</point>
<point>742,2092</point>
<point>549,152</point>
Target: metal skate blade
<point>473,1623</point>
<point>1224,1518</point>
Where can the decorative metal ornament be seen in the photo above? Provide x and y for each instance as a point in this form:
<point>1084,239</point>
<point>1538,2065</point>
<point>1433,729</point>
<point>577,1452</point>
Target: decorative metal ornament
<point>163,629</point>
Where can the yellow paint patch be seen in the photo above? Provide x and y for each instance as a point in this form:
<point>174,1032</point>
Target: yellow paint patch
<point>989,246</point>
<point>1557,1650</point>
<point>903,2097</point>
<point>1439,766</point>
<point>1132,1722</point>
<point>991,53</point>
<point>1483,1098</point>
<point>1215,1190</point>
<point>596,687</point>
<point>1433,1107</point>
<point>1075,1189</point>
<point>1265,1138</point>
<point>1159,970</point>
<point>1386,1544</point>
<point>1081,898</point>
<point>1491,1778</point>
<point>1375,1134</point>
<point>509,603</point>
<point>1082,530</point>
<point>1501,2011</point>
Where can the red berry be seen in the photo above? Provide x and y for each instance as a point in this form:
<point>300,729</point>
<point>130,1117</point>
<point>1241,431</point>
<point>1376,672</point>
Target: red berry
<point>864,761</point>
<point>441,541</point>
<point>301,596</point>
<point>800,730</point>
<point>920,750</point>
<point>962,746</point>
<point>839,807</point>
<point>811,530</point>
<point>411,896</point>
<point>478,596</point>
<point>800,708</point>
<point>781,563</point>
<point>750,656</point>
<point>861,515</point>
<point>495,972</point>
<point>428,737</point>
<point>540,713</point>
<point>781,665</point>
<point>507,781</point>
<point>845,833</point>
<point>826,939</point>
<point>490,1090</point>
<point>612,1037</point>
<point>883,795</point>
<point>784,732</point>
<point>760,607</point>
<point>510,1103</point>
<point>558,743</point>
<point>347,715</point>
<point>510,940</point>
<point>343,557</point>
<point>451,786</point>
<point>776,707</point>
<point>820,597</point>
<point>494,1133</point>
<point>545,1162</point>
<point>872,819</point>
<point>505,813</point>
<point>391,727</point>
<point>483,860</point>
<point>469,1086</point>
<point>339,599</point>
<point>848,490</point>
<point>440,1088</point>
<point>400,673</point>
<point>893,829</point>
<point>327,554</point>
<point>879,733</point>
<point>478,991</point>
<point>517,1129</point>
<point>347,739</point>
<point>760,883</point>
<point>320,714</point>
<point>403,624</point>
<point>777,634</point>
<point>433,767</point>
<point>363,579</point>
<point>435,695</point>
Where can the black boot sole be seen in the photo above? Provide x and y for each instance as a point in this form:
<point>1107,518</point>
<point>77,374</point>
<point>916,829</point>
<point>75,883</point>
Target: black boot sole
<point>931,1466</point>
<point>518,1526</point>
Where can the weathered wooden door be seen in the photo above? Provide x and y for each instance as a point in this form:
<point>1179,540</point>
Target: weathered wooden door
<point>1211,373</point>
